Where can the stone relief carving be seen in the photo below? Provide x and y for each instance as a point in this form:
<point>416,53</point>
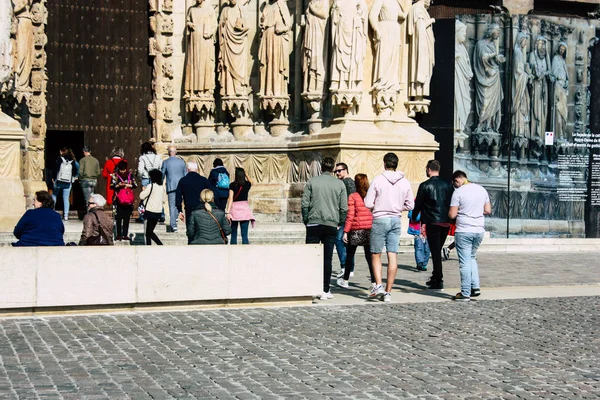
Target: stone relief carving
<point>349,27</point>
<point>314,58</point>
<point>486,65</point>
<point>6,58</point>
<point>560,77</point>
<point>539,62</point>
<point>25,44</point>
<point>274,56</point>
<point>385,18</point>
<point>421,55</point>
<point>200,65</point>
<point>463,73</point>
<point>521,106</point>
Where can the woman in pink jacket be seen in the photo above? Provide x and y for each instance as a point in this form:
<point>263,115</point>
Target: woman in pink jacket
<point>357,230</point>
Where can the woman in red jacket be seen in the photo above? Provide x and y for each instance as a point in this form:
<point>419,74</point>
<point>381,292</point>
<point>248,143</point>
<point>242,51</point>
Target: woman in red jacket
<point>117,155</point>
<point>357,230</point>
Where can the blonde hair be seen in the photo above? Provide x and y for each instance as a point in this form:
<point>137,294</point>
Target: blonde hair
<point>207,196</point>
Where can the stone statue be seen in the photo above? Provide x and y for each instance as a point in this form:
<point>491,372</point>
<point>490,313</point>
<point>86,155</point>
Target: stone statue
<point>200,63</point>
<point>233,55</point>
<point>385,17</point>
<point>540,68</point>
<point>6,58</point>
<point>274,51</point>
<point>314,46</point>
<point>25,46</point>
<point>560,77</point>
<point>521,102</point>
<point>349,27</point>
<point>421,49</point>
<point>463,74</point>
<point>486,64</point>
<point>315,51</point>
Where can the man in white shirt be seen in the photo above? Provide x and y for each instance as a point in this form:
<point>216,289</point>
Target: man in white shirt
<point>470,202</point>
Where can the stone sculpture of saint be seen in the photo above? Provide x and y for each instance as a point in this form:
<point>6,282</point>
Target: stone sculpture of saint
<point>233,55</point>
<point>315,46</point>
<point>463,73</point>
<point>488,87</point>
<point>6,61</point>
<point>385,17</point>
<point>200,63</point>
<point>540,69</point>
<point>349,27</point>
<point>421,49</point>
<point>274,51</point>
<point>560,76</point>
<point>521,106</point>
<point>25,46</point>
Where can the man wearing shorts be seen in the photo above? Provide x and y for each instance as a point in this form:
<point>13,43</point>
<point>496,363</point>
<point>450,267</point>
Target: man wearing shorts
<point>389,194</point>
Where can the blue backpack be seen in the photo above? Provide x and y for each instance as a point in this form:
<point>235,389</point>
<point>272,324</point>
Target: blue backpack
<point>223,180</point>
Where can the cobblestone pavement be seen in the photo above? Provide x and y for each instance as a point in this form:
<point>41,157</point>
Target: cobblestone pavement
<point>507,349</point>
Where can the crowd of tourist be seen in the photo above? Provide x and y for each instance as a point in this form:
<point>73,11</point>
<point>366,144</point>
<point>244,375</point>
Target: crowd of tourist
<point>338,212</point>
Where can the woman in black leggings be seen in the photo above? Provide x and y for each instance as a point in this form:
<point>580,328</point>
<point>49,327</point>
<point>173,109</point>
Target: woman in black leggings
<point>153,195</point>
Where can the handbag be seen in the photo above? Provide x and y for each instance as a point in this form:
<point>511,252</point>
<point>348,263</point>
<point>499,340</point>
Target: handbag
<point>142,206</point>
<point>219,225</point>
<point>359,237</point>
<point>125,195</point>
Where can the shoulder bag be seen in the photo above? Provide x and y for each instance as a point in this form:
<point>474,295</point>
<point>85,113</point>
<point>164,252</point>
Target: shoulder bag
<point>219,225</point>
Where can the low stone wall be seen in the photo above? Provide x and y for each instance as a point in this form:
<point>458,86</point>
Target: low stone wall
<point>92,277</point>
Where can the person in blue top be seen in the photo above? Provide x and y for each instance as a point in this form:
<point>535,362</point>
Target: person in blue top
<point>63,175</point>
<point>173,169</point>
<point>220,179</point>
<point>41,226</point>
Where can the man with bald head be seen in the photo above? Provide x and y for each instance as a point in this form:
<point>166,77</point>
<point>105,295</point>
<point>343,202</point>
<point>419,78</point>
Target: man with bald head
<point>189,189</point>
<point>173,170</point>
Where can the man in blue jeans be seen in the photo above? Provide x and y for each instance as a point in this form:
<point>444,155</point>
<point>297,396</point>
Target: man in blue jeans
<point>389,194</point>
<point>324,208</point>
<point>341,172</point>
<point>470,202</point>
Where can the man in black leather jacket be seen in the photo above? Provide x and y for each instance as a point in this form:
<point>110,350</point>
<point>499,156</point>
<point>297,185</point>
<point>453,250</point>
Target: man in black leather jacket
<point>433,202</point>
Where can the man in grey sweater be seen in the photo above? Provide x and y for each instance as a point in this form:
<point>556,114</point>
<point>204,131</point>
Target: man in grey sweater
<point>324,209</point>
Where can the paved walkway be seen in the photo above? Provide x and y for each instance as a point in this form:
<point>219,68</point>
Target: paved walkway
<point>488,349</point>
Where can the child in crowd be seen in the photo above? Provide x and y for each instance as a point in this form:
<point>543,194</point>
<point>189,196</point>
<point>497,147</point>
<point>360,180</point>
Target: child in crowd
<point>421,245</point>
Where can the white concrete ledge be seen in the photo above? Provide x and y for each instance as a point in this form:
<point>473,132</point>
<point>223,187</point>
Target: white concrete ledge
<point>55,277</point>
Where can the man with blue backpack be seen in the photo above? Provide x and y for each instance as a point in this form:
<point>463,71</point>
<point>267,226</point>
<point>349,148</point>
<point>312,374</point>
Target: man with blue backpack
<point>219,177</point>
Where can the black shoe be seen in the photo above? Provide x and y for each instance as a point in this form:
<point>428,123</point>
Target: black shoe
<point>475,292</point>
<point>432,285</point>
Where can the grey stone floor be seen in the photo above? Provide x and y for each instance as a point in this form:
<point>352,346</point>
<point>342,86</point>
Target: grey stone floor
<point>505,349</point>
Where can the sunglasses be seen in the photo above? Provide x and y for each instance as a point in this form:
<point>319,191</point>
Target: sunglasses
<point>90,203</point>
<point>337,171</point>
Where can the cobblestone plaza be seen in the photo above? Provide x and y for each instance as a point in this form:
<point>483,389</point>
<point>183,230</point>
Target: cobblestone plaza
<point>487,349</point>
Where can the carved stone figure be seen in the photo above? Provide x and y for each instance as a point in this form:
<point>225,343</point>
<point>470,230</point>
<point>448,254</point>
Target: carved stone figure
<point>489,95</point>
<point>540,68</point>
<point>233,56</point>
<point>521,102</point>
<point>314,46</point>
<point>385,17</point>
<point>200,63</point>
<point>560,77</point>
<point>421,45</point>
<point>25,45</point>
<point>349,27</point>
<point>274,56</point>
<point>6,62</point>
<point>274,50</point>
<point>315,50</point>
<point>463,73</point>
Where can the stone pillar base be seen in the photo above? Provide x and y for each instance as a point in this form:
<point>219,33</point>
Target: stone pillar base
<point>12,195</point>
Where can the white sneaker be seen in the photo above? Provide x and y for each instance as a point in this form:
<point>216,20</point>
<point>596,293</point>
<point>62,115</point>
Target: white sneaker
<point>351,274</point>
<point>387,297</point>
<point>377,291</point>
<point>342,283</point>
<point>341,273</point>
<point>373,284</point>
<point>326,295</point>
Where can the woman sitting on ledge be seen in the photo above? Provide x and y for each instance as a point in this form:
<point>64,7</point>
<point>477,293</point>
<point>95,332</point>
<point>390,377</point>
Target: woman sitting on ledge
<point>41,226</point>
<point>207,224</point>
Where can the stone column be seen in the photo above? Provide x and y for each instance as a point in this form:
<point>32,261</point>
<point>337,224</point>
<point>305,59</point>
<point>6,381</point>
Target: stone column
<point>12,195</point>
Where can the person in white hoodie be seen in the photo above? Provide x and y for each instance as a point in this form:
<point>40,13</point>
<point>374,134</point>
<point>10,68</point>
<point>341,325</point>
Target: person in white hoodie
<point>389,194</point>
<point>154,196</point>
